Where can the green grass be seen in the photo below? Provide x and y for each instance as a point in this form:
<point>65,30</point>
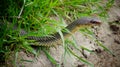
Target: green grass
<point>38,17</point>
<point>91,36</point>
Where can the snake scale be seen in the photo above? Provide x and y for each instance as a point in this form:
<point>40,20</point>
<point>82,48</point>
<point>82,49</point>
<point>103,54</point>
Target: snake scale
<point>53,38</point>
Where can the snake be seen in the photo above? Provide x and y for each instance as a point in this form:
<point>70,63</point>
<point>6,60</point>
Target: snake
<point>55,38</point>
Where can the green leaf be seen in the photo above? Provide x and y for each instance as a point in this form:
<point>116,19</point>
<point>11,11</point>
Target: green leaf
<point>29,48</point>
<point>50,57</point>
<point>105,48</point>
<point>86,49</point>
<point>81,59</point>
<point>27,60</point>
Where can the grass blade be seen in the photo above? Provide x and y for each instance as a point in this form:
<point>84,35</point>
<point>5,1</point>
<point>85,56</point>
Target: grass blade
<point>81,59</point>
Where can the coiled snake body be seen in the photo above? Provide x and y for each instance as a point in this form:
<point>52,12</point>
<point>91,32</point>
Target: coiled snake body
<point>74,26</point>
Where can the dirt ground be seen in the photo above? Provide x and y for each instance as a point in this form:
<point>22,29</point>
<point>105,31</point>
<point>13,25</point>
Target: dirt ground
<point>107,33</point>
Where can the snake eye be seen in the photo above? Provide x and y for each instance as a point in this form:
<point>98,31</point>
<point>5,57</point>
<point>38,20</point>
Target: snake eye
<point>95,22</point>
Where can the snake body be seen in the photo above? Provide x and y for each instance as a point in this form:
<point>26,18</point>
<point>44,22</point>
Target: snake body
<point>53,38</point>
<point>73,27</point>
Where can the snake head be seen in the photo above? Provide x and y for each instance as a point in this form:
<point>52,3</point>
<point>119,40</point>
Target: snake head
<point>88,21</point>
<point>95,21</point>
